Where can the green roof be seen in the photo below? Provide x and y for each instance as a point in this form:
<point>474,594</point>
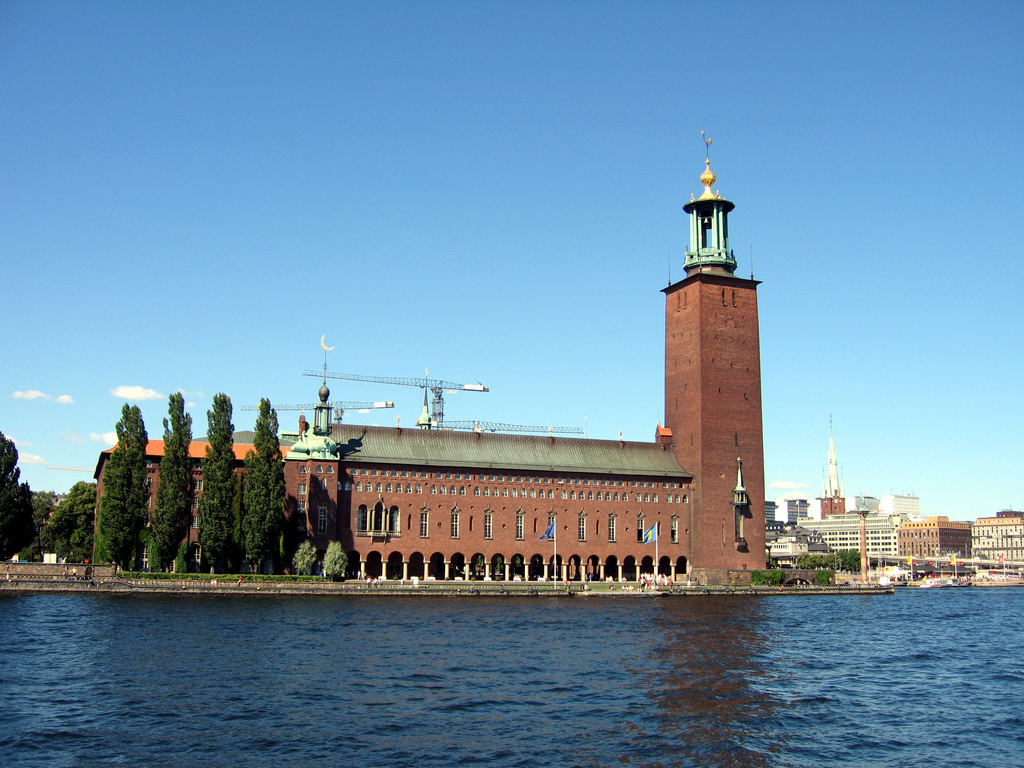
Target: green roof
<point>486,450</point>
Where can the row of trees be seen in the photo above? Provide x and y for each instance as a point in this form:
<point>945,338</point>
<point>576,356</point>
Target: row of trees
<point>843,560</point>
<point>235,517</point>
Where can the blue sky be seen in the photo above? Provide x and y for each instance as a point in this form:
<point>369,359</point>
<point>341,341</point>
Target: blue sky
<point>192,194</point>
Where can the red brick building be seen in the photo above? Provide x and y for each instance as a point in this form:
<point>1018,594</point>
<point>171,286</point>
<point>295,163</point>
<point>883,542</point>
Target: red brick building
<point>447,504</point>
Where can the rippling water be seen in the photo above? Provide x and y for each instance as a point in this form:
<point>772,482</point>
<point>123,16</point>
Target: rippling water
<point>930,677</point>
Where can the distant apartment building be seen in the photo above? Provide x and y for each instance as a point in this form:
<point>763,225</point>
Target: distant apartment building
<point>998,537</point>
<point>791,511</point>
<point>788,546</point>
<point>904,504</point>
<point>934,537</point>
<point>770,510</point>
<point>843,532</point>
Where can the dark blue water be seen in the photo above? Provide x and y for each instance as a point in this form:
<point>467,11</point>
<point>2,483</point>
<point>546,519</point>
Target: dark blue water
<point>932,677</point>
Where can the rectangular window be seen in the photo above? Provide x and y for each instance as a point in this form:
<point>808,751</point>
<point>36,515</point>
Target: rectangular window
<point>302,489</point>
<point>675,530</point>
<point>519,527</point>
<point>199,486</point>
<point>455,524</point>
<point>582,528</point>
<point>195,521</point>
<point>424,524</point>
<point>611,529</point>
<point>321,521</point>
<point>300,506</point>
<point>195,504</point>
<point>488,529</point>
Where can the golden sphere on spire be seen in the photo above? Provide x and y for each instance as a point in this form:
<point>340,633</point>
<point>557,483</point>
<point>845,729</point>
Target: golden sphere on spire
<point>707,179</point>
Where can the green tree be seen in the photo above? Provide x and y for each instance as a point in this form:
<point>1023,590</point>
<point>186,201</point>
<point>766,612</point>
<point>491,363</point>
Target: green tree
<point>216,523</point>
<point>849,560</point>
<point>43,504</point>
<point>263,507</point>
<point>173,515</point>
<point>335,561</point>
<point>305,557</point>
<point>123,504</point>
<point>70,531</point>
<point>16,527</point>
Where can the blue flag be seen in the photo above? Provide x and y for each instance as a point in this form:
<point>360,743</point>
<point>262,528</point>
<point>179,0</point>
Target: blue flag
<point>549,533</point>
<point>651,534</point>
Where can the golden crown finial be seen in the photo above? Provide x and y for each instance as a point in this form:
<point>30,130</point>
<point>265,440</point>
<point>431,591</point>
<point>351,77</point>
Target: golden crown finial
<point>707,178</point>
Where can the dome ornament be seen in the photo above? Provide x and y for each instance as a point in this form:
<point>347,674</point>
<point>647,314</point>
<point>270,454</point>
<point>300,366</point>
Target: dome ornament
<point>707,178</point>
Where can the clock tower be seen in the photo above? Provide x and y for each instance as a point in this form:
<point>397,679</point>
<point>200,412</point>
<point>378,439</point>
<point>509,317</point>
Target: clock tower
<point>713,395</point>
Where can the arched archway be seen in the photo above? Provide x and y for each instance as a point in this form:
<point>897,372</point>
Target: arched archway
<point>575,572</point>
<point>647,564</point>
<point>374,565</point>
<point>416,566</point>
<point>458,567</point>
<point>536,568</point>
<point>394,569</point>
<point>498,567</point>
<point>436,568</point>
<point>629,572</point>
<point>680,568</point>
<point>555,569</point>
<point>593,568</point>
<point>517,567</point>
<point>354,567</point>
<point>611,567</point>
<point>477,566</point>
<point>665,566</point>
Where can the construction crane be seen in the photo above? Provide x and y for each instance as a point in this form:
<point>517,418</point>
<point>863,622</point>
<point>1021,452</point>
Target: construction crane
<point>339,406</point>
<point>438,387</point>
<point>494,426</point>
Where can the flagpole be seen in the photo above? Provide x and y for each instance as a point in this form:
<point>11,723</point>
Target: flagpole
<point>554,550</point>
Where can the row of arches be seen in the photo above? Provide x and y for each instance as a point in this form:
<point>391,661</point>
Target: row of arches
<point>516,567</point>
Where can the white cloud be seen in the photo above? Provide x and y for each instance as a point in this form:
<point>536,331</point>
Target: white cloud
<point>135,393</point>
<point>198,394</point>
<point>73,436</point>
<point>109,438</point>
<point>35,394</point>
<point>31,394</point>
<point>190,405</point>
<point>30,458</point>
<point>24,443</point>
<point>786,485</point>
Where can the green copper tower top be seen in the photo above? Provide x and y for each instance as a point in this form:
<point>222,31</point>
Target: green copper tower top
<point>708,250</point>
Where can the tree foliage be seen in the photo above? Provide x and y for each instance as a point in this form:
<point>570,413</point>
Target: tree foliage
<point>173,513</point>
<point>16,528</point>
<point>305,558</point>
<point>43,505</point>
<point>843,560</point>
<point>263,507</point>
<point>335,561</point>
<point>216,518</point>
<point>70,531</point>
<point>767,578</point>
<point>123,505</point>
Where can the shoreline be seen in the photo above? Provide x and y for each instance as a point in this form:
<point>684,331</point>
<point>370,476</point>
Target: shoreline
<point>431,589</point>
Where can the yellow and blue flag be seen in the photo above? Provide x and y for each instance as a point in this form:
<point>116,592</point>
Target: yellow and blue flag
<point>549,533</point>
<point>651,534</point>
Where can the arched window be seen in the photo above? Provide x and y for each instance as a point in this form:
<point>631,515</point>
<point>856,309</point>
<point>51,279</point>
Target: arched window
<point>476,490</point>
<point>433,489</point>
<point>655,498</point>
<point>615,496</point>
<point>361,521</point>
<point>565,494</point>
<point>504,492</point>
<point>419,488</point>
<point>590,495</point>
<point>359,486</point>
<point>640,527</point>
<point>452,490</point>
<point>515,493</point>
<point>647,497</point>
<point>388,488</point>
<point>394,523</point>
<point>398,487</point>
<point>444,490</point>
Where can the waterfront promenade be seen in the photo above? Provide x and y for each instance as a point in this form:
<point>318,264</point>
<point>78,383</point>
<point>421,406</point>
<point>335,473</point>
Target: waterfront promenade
<point>226,584</point>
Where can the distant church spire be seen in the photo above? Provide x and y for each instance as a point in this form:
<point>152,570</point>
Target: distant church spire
<point>833,485</point>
